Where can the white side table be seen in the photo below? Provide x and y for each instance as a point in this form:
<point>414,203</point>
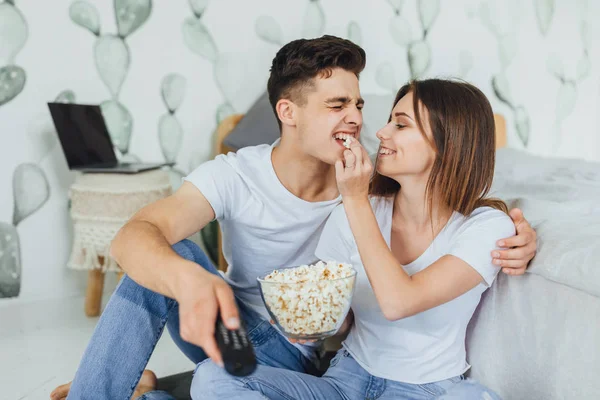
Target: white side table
<point>100,206</point>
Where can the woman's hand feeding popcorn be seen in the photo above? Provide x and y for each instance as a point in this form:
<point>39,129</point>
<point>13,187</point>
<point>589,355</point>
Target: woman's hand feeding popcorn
<point>353,173</point>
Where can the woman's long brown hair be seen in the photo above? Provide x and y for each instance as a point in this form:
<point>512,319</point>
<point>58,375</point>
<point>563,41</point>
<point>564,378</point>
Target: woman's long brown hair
<point>462,123</point>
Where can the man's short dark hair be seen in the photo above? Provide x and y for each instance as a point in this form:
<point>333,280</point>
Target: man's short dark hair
<point>298,62</point>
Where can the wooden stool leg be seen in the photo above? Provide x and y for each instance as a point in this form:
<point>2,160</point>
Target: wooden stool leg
<point>93,295</point>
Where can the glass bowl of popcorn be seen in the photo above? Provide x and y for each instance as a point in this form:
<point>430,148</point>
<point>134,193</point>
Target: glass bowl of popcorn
<point>309,302</point>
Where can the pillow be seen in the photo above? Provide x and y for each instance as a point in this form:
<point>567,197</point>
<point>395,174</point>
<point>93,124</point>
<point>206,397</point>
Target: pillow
<point>259,126</point>
<point>559,197</point>
<point>568,242</point>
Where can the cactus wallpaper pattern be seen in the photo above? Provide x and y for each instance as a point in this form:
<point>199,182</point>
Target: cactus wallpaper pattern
<point>30,191</point>
<point>13,36</point>
<point>112,58</point>
<point>166,73</point>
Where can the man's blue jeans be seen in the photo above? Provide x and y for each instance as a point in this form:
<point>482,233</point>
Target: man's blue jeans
<point>131,325</point>
<point>344,380</point>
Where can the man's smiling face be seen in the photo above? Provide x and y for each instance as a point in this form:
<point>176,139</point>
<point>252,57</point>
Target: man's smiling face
<point>331,111</point>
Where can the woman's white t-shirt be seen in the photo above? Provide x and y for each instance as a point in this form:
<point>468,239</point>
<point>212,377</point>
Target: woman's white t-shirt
<point>429,346</point>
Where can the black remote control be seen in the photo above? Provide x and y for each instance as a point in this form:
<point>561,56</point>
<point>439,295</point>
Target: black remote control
<point>236,349</point>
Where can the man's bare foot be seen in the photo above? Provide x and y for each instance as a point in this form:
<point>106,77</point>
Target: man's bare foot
<point>147,384</point>
<point>61,392</point>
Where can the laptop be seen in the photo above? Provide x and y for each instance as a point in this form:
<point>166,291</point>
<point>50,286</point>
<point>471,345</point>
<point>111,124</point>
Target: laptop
<point>86,143</point>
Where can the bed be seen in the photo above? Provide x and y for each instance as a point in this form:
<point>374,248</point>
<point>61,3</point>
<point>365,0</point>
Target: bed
<point>538,336</point>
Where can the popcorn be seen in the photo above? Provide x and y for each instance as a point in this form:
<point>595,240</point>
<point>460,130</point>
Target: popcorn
<point>347,142</point>
<point>310,299</point>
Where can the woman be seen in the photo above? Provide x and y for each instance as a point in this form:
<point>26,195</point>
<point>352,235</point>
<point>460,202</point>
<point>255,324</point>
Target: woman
<point>420,234</point>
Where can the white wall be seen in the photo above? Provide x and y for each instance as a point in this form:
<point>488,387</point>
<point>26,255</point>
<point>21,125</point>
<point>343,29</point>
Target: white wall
<point>58,55</point>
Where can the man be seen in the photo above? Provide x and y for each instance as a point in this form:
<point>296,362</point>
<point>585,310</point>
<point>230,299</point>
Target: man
<point>271,201</point>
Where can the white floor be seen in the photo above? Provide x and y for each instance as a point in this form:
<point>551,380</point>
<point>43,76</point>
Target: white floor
<point>41,344</point>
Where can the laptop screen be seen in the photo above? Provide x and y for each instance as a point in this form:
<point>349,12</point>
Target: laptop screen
<point>83,134</point>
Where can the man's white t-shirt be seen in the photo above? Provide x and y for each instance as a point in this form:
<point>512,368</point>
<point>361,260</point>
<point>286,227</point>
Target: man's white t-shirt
<point>264,226</point>
<point>429,346</point>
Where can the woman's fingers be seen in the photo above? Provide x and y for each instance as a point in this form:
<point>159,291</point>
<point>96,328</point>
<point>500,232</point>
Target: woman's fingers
<point>357,150</point>
<point>349,159</point>
<point>354,173</point>
<point>361,155</point>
